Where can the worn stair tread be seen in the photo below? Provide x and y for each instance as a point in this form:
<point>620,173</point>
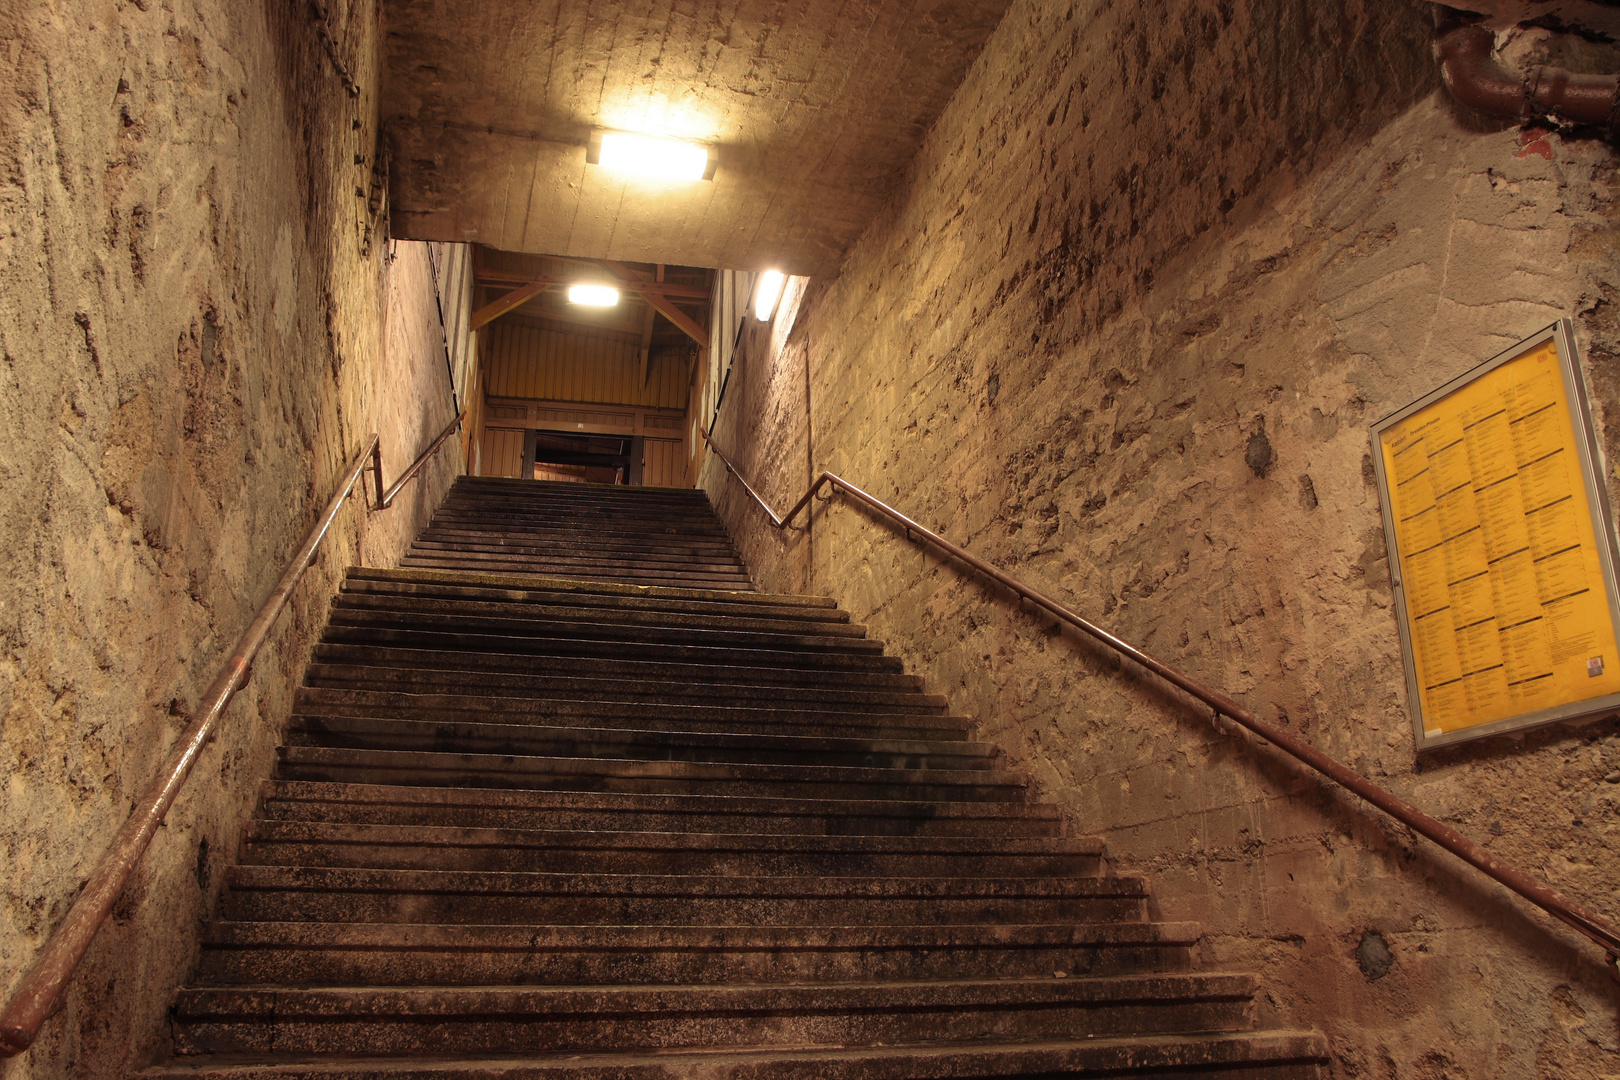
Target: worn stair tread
<point>539,582</point>
<point>597,738</point>
<point>733,674</point>
<point>650,519</point>
<point>528,896</point>
<point>582,541</point>
<point>388,643</point>
<point>662,579</point>
<point>764,636</point>
<point>583,554</point>
<point>682,715</point>
<point>1125,1056</point>
<point>743,809</point>
<point>549,1002</point>
<point>261,830</point>
<point>640,938</point>
<point>473,558</point>
<point>678,886</point>
<point>650,622</point>
<point>756,606</point>
<point>1016,784</point>
<point>660,686</point>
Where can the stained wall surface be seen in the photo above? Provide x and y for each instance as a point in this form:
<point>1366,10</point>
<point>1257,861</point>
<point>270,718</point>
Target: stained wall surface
<point>1123,333</point>
<point>203,324</point>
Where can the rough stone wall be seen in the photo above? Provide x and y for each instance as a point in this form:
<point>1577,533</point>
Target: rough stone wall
<point>192,346</point>
<point>1123,333</point>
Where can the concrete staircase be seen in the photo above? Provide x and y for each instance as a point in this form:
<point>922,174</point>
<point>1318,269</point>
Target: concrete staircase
<point>657,536</point>
<point>553,825</point>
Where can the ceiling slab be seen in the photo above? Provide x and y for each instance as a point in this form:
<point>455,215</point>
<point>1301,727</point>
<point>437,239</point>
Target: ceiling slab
<point>815,109</point>
<point>1597,18</point>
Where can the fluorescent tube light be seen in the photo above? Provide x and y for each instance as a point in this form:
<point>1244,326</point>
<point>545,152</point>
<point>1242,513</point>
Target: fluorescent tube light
<point>767,292</point>
<point>654,158</point>
<point>593,295</point>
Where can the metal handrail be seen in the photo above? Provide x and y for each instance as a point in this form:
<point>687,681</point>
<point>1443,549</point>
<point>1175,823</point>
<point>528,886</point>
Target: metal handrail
<point>1585,922</point>
<point>409,474</point>
<point>37,996</point>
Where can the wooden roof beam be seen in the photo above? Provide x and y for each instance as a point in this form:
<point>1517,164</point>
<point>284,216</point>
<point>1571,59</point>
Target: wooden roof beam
<point>668,310</point>
<point>514,299</point>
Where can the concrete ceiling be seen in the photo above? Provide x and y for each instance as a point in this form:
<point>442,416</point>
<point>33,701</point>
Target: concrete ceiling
<point>1598,18</point>
<point>815,106</point>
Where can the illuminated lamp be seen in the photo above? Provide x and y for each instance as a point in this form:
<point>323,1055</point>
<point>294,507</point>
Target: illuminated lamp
<point>593,295</point>
<point>767,292</point>
<point>650,157</point>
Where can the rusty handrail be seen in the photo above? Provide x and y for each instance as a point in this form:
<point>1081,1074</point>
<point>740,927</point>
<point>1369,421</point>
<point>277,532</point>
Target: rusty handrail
<point>1585,922</point>
<point>776,522</point>
<point>36,997</point>
<point>387,499</point>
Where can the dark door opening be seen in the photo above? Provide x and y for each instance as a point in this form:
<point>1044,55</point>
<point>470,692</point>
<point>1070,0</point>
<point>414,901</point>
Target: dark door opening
<point>583,459</point>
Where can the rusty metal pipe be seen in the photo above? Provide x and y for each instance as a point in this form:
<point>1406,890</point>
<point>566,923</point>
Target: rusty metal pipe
<point>36,997</point>
<point>1468,64</point>
<point>1585,922</point>
<point>416,466</point>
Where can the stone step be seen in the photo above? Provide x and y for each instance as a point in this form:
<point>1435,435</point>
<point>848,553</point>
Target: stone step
<point>417,769</point>
<point>555,573</point>
<point>683,670</point>
<point>617,657</point>
<point>462,617</point>
<point>578,539</point>
<point>1271,1055</point>
<point>649,522</point>
<point>594,607</point>
<point>596,590</point>
<point>524,583</point>
<point>668,689</point>
<point>653,517</point>
<point>586,539</point>
<point>657,510</point>
<point>656,516</point>
<point>382,954</point>
<point>315,843</point>
<point>679,529</point>
<point>509,487</point>
<point>477,563</point>
<point>638,715</point>
<point>525,1019</point>
<point>386,804</point>
<point>506,486</point>
<point>441,736</point>
<point>585,554</point>
<point>345,894</point>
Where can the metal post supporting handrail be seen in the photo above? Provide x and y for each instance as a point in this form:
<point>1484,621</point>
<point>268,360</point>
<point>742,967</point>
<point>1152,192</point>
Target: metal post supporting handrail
<point>387,499</point>
<point>1584,921</point>
<point>40,991</point>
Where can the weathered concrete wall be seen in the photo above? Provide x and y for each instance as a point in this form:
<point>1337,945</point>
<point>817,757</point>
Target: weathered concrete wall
<point>193,346</point>
<point>1123,333</point>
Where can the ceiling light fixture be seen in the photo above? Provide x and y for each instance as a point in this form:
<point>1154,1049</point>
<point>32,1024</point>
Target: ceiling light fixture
<point>767,292</point>
<point>650,157</point>
<point>593,295</point>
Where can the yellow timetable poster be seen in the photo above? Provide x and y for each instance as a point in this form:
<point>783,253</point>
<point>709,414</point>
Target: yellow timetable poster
<point>1506,602</point>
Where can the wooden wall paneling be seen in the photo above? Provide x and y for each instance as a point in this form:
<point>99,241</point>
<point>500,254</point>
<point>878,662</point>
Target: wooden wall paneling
<point>503,451</point>
<point>664,463</point>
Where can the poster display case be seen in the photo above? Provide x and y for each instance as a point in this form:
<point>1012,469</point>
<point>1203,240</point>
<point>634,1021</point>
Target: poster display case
<point>1501,546</point>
